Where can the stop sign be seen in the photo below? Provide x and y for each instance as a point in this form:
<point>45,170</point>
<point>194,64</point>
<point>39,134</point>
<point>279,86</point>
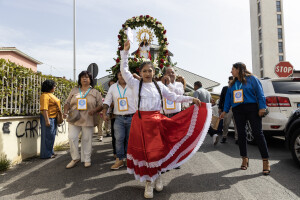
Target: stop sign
<point>284,69</point>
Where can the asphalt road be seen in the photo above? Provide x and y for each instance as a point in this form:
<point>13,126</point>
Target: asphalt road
<point>213,173</point>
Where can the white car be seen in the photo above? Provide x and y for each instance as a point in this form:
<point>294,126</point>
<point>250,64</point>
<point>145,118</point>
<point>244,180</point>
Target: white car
<point>282,99</point>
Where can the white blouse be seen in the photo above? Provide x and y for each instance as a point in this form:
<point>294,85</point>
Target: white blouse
<point>150,98</point>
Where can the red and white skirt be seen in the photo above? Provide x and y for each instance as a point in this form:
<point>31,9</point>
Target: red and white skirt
<point>158,143</point>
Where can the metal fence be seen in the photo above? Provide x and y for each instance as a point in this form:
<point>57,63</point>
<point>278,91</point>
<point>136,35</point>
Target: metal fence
<point>21,89</point>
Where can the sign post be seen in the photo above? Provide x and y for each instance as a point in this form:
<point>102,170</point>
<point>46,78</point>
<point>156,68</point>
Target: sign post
<point>284,69</point>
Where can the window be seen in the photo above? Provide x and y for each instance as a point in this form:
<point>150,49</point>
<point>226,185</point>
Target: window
<point>279,33</point>
<point>280,46</point>
<point>261,73</point>
<point>286,87</point>
<point>278,6</point>
<point>260,48</point>
<point>258,7</point>
<point>281,58</point>
<point>279,19</point>
<point>261,63</point>
<point>259,34</point>
<point>259,21</point>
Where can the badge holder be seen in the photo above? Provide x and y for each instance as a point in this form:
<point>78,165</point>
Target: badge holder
<point>123,104</point>
<point>169,105</point>
<point>238,96</point>
<point>82,104</point>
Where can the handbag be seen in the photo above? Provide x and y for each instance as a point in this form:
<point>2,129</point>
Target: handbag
<point>267,110</point>
<point>73,116</point>
<point>59,116</point>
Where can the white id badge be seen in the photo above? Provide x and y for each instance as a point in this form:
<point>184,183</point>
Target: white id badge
<point>169,105</point>
<point>238,96</point>
<point>81,104</point>
<point>122,104</point>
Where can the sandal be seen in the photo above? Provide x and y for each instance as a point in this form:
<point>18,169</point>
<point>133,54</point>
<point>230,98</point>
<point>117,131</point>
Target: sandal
<point>266,167</point>
<point>245,163</point>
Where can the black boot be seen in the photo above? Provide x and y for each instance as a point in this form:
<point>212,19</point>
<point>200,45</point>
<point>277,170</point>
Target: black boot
<point>223,140</point>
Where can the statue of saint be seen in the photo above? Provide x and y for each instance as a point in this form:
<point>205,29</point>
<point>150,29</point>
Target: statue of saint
<point>144,50</point>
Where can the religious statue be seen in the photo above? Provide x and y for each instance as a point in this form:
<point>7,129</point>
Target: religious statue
<point>144,44</point>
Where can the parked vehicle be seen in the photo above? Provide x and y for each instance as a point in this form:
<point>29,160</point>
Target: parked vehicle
<point>282,98</point>
<point>292,135</point>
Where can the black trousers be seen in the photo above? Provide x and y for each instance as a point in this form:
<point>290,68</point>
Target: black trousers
<point>241,114</point>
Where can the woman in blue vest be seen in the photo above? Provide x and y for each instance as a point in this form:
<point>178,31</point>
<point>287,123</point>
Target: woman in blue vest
<point>248,102</point>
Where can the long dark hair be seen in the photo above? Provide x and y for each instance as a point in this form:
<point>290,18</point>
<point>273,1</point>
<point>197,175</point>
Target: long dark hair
<point>155,83</point>
<point>243,73</point>
<point>84,73</point>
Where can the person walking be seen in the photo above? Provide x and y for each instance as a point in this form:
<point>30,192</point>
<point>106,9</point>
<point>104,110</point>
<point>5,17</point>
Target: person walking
<point>246,97</point>
<point>49,106</point>
<point>158,143</point>
<point>204,96</point>
<point>228,116</point>
<point>86,101</point>
<point>122,97</point>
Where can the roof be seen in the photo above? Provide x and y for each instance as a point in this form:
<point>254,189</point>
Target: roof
<point>104,81</point>
<point>17,51</point>
<point>191,78</point>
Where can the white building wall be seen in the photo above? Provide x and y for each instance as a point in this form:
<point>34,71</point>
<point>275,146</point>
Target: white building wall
<point>269,40</point>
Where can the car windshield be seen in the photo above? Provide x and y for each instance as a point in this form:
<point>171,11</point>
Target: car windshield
<point>286,87</point>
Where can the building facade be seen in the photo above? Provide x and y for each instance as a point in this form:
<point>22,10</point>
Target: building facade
<point>14,55</point>
<point>267,36</point>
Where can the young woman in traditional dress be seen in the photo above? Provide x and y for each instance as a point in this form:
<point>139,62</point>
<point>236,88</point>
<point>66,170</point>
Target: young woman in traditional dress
<point>158,143</point>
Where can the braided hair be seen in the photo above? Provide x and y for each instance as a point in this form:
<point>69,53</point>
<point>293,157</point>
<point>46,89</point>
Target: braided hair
<point>155,83</point>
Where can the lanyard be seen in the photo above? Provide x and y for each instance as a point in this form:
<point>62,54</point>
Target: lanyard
<point>85,93</point>
<point>236,86</point>
<point>120,92</point>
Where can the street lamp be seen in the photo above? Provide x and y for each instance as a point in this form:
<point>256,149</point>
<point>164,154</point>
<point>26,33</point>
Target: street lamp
<point>74,40</point>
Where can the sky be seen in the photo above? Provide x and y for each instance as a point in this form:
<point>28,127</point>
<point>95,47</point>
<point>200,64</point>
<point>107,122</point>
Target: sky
<point>206,37</point>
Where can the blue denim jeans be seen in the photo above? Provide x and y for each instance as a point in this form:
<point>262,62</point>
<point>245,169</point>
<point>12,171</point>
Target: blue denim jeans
<point>121,132</point>
<point>47,137</point>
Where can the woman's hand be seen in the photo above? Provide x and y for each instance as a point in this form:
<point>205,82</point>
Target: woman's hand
<point>127,45</point>
<point>197,101</point>
<point>222,115</point>
<point>261,112</point>
<point>92,112</point>
<point>65,116</point>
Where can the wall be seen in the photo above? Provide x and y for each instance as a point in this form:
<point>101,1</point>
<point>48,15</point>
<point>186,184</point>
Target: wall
<point>20,60</point>
<point>20,137</point>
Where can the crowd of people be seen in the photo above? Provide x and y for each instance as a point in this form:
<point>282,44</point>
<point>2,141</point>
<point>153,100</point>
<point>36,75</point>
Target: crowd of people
<point>154,126</point>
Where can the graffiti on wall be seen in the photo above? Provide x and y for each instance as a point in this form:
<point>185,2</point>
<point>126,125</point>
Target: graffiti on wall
<point>5,128</point>
<point>31,129</point>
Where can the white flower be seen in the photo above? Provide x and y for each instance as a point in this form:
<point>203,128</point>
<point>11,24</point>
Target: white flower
<point>137,19</point>
<point>143,19</point>
<point>162,41</point>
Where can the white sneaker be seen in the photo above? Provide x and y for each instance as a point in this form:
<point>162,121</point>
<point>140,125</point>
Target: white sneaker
<point>159,186</point>
<point>100,138</point>
<point>148,194</point>
<point>215,139</point>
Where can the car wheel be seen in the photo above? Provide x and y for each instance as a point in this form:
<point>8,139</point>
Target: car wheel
<point>249,135</point>
<point>295,146</point>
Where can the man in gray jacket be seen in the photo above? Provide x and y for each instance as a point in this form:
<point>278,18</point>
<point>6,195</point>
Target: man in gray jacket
<point>204,96</point>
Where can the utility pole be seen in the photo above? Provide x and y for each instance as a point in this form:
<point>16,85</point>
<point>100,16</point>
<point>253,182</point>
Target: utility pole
<point>74,40</point>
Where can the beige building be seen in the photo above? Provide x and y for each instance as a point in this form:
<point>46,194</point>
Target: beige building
<point>18,57</point>
<point>267,36</point>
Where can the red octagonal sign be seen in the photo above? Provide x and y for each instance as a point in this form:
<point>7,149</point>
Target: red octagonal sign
<point>284,69</point>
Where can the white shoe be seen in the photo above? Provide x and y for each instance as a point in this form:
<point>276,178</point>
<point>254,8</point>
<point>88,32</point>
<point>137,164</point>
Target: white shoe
<point>159,186</point>
<point>87,164</point>
<point>148,194</point>
<point>100,138</point>
<point>72,164</point>
<point>215,139</point>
